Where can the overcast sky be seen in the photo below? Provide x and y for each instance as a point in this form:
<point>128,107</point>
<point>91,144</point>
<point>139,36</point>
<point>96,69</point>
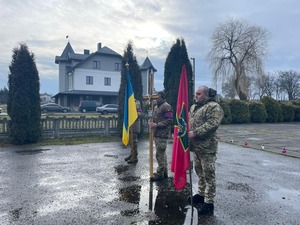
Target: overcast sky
<point>153,26</point>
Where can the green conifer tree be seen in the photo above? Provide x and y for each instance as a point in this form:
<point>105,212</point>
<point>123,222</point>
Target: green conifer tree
<point>135,78</point>
<point>176,58</point>
<point>3,95</point>
<point>23,104</point>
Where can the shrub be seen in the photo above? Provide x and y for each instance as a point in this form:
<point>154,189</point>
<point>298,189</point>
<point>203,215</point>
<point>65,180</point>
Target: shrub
<point>297,113</point>
<point>257,112</point>
<point>288,111</point>
<point>296,104</point>
<point>272,108</point>
<point>239,111</point>
<point>227,113</point>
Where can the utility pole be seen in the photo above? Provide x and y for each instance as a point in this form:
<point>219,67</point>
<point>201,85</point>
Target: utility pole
<point>193,78</point>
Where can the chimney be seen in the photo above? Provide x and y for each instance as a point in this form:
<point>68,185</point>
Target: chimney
<point>99,46</point>
<point>86,51</point>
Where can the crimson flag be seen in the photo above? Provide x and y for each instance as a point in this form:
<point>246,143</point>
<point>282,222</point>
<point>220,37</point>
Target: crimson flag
<point>181,154</point>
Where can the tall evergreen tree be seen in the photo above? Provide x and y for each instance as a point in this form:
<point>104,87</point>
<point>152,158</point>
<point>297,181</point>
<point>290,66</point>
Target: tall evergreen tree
<point>3,95</point>
<point>176,58</point>
<point>135,78</point>
<point>23,104</point>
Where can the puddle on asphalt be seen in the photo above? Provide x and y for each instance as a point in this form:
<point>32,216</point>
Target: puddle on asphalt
<point>160,198</point>
<point>31,151</point>
<point>129,178</point>
<point>287,196</point>
<point>240,187</point>
<point>121,169</point>
<point>15,214</point>
<point>112,156</point>
<point>248,193</point>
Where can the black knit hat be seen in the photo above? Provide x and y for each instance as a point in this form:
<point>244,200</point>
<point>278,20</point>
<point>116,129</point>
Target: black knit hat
<point>162,94</point>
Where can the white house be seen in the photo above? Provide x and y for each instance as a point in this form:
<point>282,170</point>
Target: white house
<point>46,98</point>
<point>93,76</point>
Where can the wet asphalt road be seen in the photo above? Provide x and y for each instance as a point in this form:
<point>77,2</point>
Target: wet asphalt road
<point>92,184</point>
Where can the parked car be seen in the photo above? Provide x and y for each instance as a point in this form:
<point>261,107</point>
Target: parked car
<point>0,110</point>
<point>108,108</point>
<point>85,106</point>
<point>53,107</point>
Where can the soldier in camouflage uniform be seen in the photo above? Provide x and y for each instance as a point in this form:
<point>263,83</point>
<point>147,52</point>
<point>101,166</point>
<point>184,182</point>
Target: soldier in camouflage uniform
<point>205,118</point>
<point>161,125</point>
<point>136,130</point>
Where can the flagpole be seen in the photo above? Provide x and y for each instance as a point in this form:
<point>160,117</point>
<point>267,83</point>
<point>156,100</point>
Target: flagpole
<point>151,130</point>
<point>181,148</point>
<point>191,188</point>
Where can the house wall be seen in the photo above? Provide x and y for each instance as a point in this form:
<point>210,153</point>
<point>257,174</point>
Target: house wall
<point>107,62</point>
<point>63,78</point>
<point>80,75</point>
<point>144,74</point>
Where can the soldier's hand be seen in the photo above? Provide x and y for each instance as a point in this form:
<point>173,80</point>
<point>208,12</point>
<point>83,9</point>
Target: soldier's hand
<point>153,125</point>
<point>191,134</point>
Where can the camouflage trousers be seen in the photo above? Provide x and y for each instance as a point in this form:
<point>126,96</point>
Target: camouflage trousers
<point>161,156</point>
<point>134,146</point>
<point>205,169</point>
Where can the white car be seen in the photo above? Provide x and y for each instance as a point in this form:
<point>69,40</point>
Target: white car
<point>108,108</point>
<point>0,110</point>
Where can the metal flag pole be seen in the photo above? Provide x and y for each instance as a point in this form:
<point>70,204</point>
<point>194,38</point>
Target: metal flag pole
<point>151,130</point>
<point>191,191</point>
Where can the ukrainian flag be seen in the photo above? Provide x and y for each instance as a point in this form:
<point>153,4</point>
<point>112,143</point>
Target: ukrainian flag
<point>130,113</point>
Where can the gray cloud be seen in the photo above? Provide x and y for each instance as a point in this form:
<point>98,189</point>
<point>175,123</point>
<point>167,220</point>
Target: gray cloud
<point>153,26</point>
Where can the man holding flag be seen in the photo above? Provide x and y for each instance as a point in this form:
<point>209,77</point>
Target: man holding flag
<point>205,118</point>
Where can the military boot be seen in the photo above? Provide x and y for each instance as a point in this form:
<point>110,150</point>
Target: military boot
<point>131,161</point>
<point>206,209</point>
<point>197,199</point>
<point>127,158</point>
<point>157,177</point>
<point>135,154</point>
<point>166,174</point>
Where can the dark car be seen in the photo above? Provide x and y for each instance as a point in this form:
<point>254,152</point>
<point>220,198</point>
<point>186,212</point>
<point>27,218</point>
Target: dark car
<point>86,106</point>
<point>108,108</point>
<point>53,107</point>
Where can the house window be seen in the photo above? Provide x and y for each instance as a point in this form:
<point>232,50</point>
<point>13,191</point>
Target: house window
<point>117,66</point>
<point>89,80</point>
<point>107,81</point>
<point>96,64</point>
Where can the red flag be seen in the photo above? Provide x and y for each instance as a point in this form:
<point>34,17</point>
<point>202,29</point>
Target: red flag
<point>181,154</point>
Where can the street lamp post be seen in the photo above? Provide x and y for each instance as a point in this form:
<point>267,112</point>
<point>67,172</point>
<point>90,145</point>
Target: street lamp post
<point>193,78</point>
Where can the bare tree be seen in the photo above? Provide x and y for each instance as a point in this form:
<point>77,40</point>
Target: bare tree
<point>227,89</point>
<point>278,90</point>
<point>289,82</point>
<point>238,50</point>
<point>265,85</point>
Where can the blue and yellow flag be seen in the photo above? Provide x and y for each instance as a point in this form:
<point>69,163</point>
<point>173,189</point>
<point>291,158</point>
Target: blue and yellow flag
<point>130,113</point>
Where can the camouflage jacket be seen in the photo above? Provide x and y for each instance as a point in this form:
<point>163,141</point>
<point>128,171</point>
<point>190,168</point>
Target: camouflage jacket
<point>163,116</point>
<point>136,126</point>
<point>205,119</point>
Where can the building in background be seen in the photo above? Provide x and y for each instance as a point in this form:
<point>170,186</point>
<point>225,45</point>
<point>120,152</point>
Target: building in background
<point>146,69</point>
<point>93,76</point>
<point>46,98</point>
